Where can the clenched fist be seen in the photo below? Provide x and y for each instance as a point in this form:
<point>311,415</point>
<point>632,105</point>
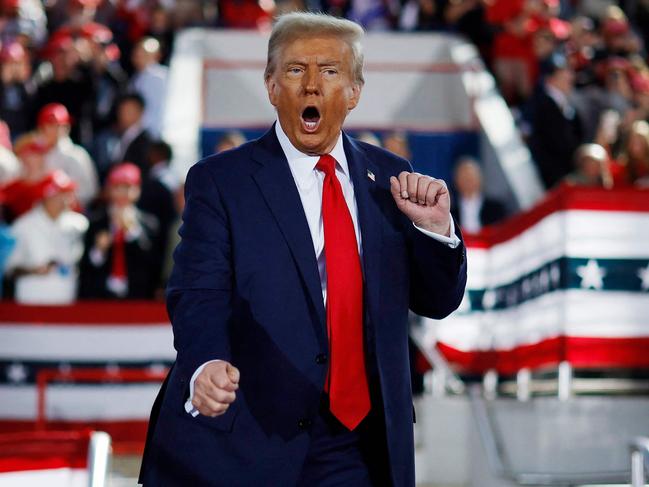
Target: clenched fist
<point>424,200</point>
<point>215,388</point>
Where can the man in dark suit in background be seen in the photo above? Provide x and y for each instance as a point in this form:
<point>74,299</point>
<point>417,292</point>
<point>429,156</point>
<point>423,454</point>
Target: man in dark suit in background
<point>301,253</point>
<point>556,126</point>
<point>471,208</point>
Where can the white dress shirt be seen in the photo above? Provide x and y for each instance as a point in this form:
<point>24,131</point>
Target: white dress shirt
<point>309,182</point>
<point>470,209</point>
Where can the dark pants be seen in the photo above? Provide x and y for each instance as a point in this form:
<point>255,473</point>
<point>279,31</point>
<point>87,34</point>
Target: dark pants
<point>339,457</point>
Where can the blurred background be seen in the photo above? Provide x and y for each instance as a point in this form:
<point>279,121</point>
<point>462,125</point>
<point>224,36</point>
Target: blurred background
<point>534,111</point>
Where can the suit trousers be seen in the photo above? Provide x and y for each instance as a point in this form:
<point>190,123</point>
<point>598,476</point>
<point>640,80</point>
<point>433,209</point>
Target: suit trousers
<point>338,457</point>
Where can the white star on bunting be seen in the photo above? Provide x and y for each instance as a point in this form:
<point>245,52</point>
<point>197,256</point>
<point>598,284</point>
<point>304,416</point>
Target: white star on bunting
<point>592,275</point>
<point>17,373</point>
<point>643,274</point>
<point>489,299</point>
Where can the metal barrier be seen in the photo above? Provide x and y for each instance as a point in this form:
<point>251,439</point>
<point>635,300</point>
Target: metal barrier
<point>45,376</point>
<point>639,461</point>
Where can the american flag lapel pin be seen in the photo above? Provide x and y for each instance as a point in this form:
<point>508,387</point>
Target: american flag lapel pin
<point>371,175</point>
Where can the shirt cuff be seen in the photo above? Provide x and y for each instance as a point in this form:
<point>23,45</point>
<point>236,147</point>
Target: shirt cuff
<point>453,241</point>
<point>189,407</point>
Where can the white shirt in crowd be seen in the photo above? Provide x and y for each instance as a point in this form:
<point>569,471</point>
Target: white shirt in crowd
<point>9,165</point>
<point>309,182</point>
<point>39,241</point>
<point>470,213</point>
<point>77,164</point>
<point>151,84</point>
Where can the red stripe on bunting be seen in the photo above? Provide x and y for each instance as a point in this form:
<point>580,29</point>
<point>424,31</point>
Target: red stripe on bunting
<point>582,352</point>
<point>86,313</point>
<point>563,198</point>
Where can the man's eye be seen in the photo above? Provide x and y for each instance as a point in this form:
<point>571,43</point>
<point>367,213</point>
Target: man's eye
<point>330,72</point>
<point>295,70</point>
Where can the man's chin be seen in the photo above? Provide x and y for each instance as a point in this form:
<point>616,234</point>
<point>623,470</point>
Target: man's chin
<point>314,144</point>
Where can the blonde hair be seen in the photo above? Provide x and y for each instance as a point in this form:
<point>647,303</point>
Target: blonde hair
<point>296,25</point>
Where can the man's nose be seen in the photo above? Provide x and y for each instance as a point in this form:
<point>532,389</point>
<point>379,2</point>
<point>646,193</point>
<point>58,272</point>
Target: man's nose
<point>311,81</point>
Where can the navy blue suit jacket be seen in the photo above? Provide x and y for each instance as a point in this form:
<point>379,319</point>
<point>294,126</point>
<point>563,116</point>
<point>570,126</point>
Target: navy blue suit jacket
<point>245,288</point>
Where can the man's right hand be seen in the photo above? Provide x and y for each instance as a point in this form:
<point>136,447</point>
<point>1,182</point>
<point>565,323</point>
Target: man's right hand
<point>215,387</point>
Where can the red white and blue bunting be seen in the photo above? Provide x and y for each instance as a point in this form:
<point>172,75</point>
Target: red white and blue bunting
<point>568,280</point>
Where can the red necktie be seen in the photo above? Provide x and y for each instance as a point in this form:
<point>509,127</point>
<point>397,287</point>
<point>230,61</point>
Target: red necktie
<point>349,398</point>
<point>118,268</point>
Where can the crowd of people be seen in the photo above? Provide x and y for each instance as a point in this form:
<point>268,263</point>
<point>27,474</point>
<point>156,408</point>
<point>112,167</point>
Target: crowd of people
<point>89,207</point>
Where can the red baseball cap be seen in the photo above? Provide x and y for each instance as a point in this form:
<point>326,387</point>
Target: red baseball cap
<point>96,32</point>
<point>59,42</point>
<point>125,173</point>
<point>613,27</point>
<point>54,113</point>
<point>57,182</point>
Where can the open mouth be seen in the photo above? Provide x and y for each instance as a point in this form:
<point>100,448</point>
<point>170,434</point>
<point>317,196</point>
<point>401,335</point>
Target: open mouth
<point>310,119</point>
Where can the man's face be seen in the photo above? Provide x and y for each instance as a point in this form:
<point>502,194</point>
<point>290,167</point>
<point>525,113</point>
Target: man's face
<point>313,90</point>
<point>122,195</point>
<point>128,113</point>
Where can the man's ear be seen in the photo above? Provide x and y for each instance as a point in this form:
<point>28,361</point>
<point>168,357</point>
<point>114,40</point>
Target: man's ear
<point>355,96</point>
<point>270,88</point>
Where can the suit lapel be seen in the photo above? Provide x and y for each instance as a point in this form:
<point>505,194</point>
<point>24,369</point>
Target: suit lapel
<point>364,174</point>
<point>278,188</point>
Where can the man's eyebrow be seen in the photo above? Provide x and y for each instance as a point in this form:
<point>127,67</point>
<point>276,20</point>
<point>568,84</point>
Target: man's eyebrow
<point>329,62</point>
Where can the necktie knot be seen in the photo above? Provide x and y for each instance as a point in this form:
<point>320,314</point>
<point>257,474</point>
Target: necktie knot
<point>327,164</point>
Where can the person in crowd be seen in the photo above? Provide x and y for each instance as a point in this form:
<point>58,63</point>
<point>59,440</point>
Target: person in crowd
<point>150,82</point>
<point>48,246</point>
<point>133,138</point>
<point>9,164</point>
<point>16,88</point>
<point>634,156</point>
<point>556,124</point>
<point>70,83</point>
<point>54,127</point>
<point>23,21</point>
<point>582,46</point>
<point>108,77</point>
<point>591,168</point>
<point>22,193</point>
<point>619,38</point>
<point>119,259</point>
<point>161,29</point>
<point>158,199</point>
<point>229,140</point>
<point>471,208</point>
<point>513,58</point>
<point>397,143</point>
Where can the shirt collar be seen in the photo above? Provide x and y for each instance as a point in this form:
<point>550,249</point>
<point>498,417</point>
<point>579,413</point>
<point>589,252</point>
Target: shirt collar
<point>302,165</point>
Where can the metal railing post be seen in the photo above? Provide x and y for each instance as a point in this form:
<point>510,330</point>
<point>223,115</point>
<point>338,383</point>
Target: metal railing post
<point>639,460</point>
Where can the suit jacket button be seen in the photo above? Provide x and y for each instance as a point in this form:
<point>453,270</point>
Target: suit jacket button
<point>321,359</point>
<point>304,423</point>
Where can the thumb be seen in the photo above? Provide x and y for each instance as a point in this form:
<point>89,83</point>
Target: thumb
<point>233,373</point>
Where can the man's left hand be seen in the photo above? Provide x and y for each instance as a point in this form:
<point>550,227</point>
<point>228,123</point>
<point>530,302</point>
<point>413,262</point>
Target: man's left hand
<point>424,200</point>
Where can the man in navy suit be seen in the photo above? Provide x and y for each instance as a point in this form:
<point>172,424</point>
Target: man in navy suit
<point>301,254</point>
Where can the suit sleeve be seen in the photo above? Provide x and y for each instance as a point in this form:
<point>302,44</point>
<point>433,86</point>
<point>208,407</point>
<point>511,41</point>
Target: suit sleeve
<point>437,275</point>
<point>437,271</point>
<point>200,287</point>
